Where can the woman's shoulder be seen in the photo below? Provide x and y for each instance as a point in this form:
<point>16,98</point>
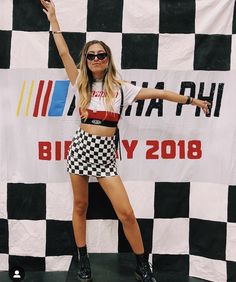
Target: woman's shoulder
<point>74,86</point>
<point>127,85</point>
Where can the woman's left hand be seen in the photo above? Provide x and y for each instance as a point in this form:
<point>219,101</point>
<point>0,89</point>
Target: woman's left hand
<point>203,104</point>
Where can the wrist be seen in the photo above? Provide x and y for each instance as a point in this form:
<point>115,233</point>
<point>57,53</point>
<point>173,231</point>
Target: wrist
<point>56,32</point>
<point>189,101</point>
<point>53,21</point>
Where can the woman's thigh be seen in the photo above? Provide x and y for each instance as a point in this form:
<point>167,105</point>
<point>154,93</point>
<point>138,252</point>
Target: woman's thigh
<point>115,190</point>
<point>79,187</point>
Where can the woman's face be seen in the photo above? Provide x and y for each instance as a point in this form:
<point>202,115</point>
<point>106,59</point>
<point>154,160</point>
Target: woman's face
<point>97,64</point>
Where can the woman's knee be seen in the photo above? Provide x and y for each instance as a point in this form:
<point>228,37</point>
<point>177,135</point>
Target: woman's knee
<point>80,207</point>
<point>127,216</point>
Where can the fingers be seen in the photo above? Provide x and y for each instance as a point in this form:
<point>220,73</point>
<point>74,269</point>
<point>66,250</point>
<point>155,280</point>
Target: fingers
<point>203,104</point>
<point>206,111</point>
<point>45,3</point>
<point>206,106</point>
<point>45,11</point>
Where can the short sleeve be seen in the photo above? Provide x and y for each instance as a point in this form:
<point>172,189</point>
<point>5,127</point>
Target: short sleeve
<point>130,92</point>
<point>73,87</point>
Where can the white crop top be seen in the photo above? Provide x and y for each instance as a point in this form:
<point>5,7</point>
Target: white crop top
<point>97,112</point>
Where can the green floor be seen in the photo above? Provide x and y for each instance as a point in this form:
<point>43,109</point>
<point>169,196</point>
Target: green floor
<point>105,268</point>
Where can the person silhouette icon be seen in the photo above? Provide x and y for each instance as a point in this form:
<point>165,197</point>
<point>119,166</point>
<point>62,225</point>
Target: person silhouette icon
<point>17,274</point>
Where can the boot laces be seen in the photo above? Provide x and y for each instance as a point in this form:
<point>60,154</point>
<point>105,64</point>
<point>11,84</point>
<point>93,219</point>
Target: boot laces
<point>84,265</point>
<point>148,272</point>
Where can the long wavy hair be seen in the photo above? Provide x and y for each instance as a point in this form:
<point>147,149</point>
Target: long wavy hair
<point>111,79</point>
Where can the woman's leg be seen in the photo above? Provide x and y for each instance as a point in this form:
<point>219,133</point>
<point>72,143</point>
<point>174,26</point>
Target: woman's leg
<point>117,194</point>
<point>80,192</point>
<point>80,205</point>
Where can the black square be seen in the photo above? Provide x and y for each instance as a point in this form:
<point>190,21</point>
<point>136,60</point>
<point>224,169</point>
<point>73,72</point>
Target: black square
<point>75,42</point>
<point>231,271</point>
<point>60,238</point>
<point>177,16</point>
<point>100,206</point>
<point>28,15</point>
<point>26,201</point>
<point>234,19</point>
<point>5,49</point>
<point>105,15</point>
<point>212,52</point>
<point>4,247</point>
<point>146,228</point>
<point>27,263</point>
<point>139,51</point>
<point>231,204</point>
<point>171,200</point>
<point>207,238</point>
<point>171,263</point>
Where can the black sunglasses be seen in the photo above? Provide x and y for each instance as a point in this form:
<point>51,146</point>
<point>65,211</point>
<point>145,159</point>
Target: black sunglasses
<point>100,56</point>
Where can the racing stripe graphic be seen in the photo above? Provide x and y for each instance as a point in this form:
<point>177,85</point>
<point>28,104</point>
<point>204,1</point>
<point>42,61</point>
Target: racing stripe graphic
<point>48,98</point>
<point>59,98</point>
<point>38,98</point>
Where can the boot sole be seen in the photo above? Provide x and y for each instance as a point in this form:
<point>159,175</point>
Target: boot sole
<point>85,280</point>
<point>138,277</point>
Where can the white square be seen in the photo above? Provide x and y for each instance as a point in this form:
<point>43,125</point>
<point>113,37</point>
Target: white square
<point>141,16</point>
<point>141,196</point>
<point>4,265</point>
<point>176,51</point>
<point>209,269</point>
<point>29,49</point>
<point>102,236</point>
<point>72,16</point>
<point>27,237</point>
<point>3,200</point>
<point>233,52</point>
<point>58,263</point>
<point>59,197</point>
<point>231,242</point>
<point>208,201</point>
<point>171,236</point>
<point>113,40</point>
<point>214,16</point>
<point>6,12</point>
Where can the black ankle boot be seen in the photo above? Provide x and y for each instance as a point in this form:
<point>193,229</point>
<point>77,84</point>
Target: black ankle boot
<point>143,271</point>
<point>84,271</point>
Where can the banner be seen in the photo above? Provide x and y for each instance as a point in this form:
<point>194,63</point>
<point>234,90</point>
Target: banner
<point>160,140</point>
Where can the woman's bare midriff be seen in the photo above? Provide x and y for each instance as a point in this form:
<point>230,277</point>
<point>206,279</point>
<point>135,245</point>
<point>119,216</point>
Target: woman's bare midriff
<point>98,129</point>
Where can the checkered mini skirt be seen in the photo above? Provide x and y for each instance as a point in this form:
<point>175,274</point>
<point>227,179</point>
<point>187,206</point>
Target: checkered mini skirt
<point>92,155</point>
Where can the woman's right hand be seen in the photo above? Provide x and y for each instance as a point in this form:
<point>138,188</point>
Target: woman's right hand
<point>49,9</point>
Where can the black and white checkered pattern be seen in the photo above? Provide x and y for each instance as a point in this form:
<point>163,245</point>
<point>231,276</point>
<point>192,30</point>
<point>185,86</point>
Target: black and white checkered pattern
<point>152,34</point>
<point>188,227</point>
<point>92,155</point>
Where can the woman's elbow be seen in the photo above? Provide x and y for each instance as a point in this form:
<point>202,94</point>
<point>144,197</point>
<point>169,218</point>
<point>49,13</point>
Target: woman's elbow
<point>64,53</point>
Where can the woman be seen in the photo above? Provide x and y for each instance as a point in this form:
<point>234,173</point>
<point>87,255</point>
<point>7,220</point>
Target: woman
<point>92,151</point>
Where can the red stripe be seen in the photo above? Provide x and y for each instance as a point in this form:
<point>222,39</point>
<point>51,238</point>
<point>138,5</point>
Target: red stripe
<point>38,98</point>
<point>102,115</point>
<point>46,98</point>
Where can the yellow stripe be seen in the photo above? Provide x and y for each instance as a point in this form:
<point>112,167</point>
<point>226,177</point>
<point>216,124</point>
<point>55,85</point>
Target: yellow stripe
<point>29,98</point>
<point>21,98</point>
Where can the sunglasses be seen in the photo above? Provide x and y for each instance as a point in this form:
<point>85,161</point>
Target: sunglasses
<point>100,56</point>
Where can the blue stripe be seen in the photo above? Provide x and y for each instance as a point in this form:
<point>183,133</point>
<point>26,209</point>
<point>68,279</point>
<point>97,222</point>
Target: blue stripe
<point>59,98</point>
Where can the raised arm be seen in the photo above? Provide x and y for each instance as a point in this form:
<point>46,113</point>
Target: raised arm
<point>68,62</point>
<point>149,93</point>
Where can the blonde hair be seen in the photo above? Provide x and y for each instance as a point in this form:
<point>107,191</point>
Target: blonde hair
<point>111,82</point>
